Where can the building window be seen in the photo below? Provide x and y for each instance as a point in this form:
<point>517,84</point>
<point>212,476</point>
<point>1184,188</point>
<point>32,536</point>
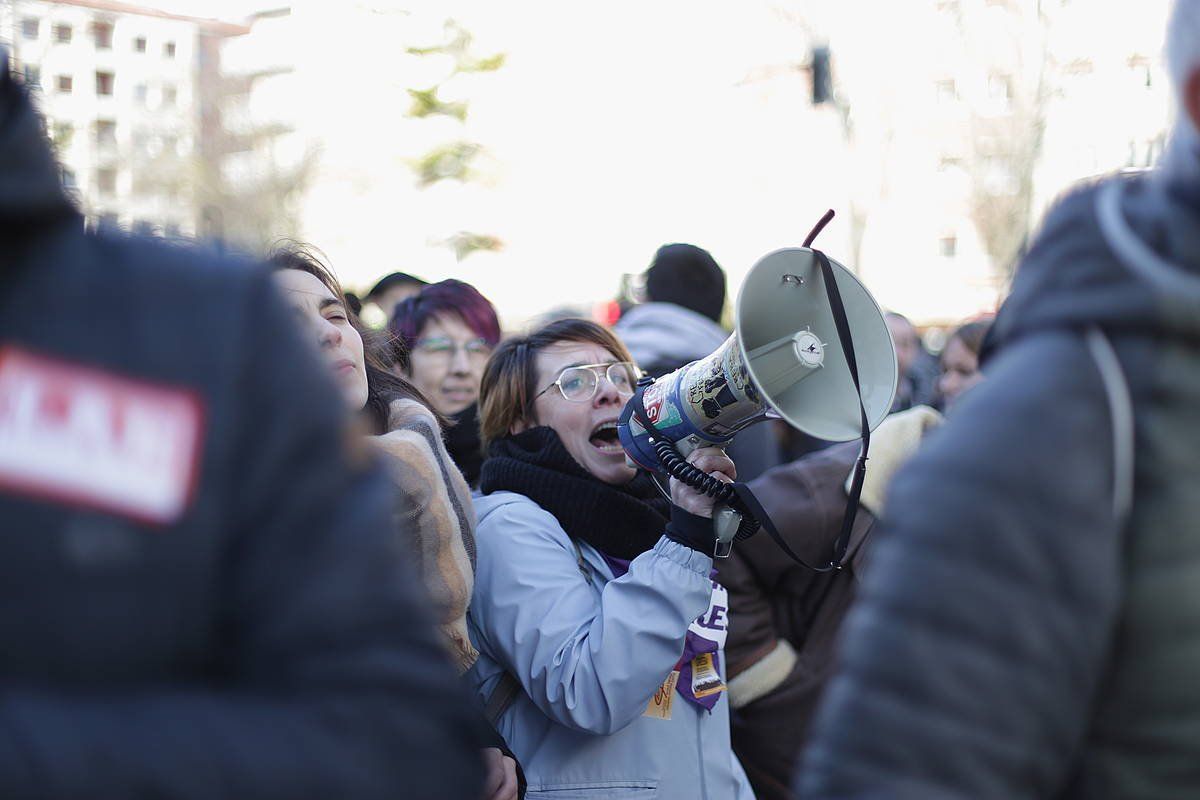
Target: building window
<point>948,246</point>
<point>106,181</point>
<point>30,27</point>
<point>139,44</point>
<point>33,75</point>
<point>169,95</point>
<point>139,94</point>
<point>169,50</point>
<point>106,132</point>
<point>62,33</point>
<point>102,35</point>
<point>64,84</point>
<point>104,83</point>
<point>68,180</point>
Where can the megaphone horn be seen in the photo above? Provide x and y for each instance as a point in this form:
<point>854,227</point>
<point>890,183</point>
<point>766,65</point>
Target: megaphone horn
<point>784,357</point>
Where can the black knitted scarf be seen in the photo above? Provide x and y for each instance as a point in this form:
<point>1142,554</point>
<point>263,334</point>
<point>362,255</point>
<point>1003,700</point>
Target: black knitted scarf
<point>622,521</point>
<point>463,445</point>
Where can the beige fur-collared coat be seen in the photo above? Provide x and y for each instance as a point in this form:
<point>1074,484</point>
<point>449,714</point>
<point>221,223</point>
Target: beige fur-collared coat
<point>435,515</point>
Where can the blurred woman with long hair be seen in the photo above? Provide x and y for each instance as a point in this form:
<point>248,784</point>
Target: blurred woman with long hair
<point>434,514</point>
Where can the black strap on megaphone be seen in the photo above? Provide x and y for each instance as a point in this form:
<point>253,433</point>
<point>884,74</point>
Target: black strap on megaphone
<point>860,466</point>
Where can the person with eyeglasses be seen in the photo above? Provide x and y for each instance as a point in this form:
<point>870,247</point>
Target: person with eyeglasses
<point>599,626</point>
<point>444,336</point>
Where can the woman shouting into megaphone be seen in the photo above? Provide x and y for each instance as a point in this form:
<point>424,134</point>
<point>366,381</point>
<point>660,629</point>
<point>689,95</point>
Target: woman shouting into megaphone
<point>599,626</point>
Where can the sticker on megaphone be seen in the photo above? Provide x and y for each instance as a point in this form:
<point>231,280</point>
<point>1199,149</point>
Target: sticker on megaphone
<point>705,402</point>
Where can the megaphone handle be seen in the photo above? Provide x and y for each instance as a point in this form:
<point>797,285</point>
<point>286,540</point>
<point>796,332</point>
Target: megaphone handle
<point>727,522</point>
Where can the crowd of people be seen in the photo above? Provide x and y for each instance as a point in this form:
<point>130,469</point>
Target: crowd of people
<point>255,548</point>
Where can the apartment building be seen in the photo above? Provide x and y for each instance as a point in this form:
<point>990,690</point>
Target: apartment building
<point>121,88</point>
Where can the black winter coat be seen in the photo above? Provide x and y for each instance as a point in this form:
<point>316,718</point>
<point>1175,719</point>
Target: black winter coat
<point>266,639</point>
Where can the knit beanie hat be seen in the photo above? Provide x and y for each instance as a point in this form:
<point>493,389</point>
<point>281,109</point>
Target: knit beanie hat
<point>688,276</point>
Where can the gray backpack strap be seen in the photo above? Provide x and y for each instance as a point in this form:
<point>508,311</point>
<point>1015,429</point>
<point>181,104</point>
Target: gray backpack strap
<point>506,690</point>
<point>501,698</point>
<point>1121,411</point>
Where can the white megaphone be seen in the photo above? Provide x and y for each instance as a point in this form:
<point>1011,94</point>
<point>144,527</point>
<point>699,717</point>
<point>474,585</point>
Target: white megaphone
<point>786,356</point>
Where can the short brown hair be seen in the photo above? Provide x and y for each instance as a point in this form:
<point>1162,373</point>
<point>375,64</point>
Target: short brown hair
<point>509,384</point>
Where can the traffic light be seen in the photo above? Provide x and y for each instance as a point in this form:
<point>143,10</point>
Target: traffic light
<point>822,78</point>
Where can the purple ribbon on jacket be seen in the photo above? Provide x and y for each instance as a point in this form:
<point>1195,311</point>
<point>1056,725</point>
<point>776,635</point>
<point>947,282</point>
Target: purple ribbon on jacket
<point>705,637</point>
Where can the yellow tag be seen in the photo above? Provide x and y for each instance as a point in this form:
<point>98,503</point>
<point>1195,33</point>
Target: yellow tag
<point>705,678</point>
<point>659,706</point>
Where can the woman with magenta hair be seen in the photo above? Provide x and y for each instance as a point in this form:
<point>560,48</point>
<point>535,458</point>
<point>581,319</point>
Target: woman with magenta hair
<point>445,335</point>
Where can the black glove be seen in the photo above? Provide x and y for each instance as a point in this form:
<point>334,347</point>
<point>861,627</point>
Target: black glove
<point>691,531</point>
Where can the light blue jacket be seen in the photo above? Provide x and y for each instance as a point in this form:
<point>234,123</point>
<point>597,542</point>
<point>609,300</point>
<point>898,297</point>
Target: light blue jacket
<point>589,655</point>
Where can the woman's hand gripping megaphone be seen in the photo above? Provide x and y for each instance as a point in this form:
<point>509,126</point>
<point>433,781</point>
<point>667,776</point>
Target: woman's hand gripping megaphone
<point>711,461</point>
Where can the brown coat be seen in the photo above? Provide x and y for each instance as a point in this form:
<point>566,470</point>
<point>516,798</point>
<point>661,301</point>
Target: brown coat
<point>435,517</point>
<point>787,614</point>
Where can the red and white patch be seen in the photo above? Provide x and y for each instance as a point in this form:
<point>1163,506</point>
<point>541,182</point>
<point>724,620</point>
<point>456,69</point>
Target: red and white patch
<point>82,436</point>
<point>652,400</point>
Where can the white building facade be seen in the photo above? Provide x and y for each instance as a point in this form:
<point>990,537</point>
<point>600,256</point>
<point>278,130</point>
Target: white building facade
<point>120,87</point>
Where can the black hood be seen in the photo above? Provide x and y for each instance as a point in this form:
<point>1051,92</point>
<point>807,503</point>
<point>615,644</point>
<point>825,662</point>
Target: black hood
<point>1122,253</point>
<point>30,189</point>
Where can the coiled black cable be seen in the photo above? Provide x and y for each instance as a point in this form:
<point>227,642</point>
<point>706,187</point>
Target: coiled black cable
<point>678,468</point>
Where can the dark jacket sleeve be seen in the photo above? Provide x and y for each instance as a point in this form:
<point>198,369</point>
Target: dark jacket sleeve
<point>969,662</point>
<point>806,501</point>
<point>330,682</point>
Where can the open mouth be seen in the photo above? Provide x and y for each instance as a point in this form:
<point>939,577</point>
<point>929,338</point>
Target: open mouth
<point>604,437</point>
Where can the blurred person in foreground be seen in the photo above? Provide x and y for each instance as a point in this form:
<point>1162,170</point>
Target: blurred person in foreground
<point>1030,624</point>
<point>433,504</point>
<point>680,323</point>
<point>393,289</point>
<point>445,334</point>
<point>960,361</point>
<point>599,625</point>
<point>201,596</point>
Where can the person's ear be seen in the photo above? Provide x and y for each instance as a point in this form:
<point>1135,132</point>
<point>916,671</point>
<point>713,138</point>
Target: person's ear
<point>1191,98</point>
